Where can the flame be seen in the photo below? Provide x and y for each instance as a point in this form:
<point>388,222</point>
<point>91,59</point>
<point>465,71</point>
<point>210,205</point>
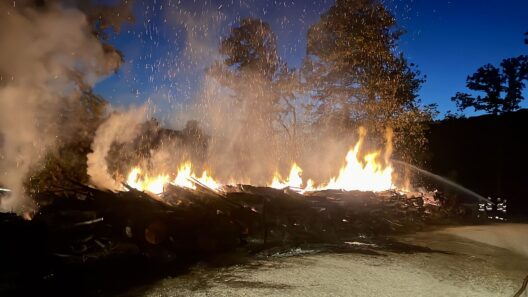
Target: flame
<point>368,172</point>
<point>209,181</point>
<point>356,176</point>
<point>145,183</point>
<point>310,186</point>
<point>294,179</point>
<point>360,174</point>
<point>185,178</point>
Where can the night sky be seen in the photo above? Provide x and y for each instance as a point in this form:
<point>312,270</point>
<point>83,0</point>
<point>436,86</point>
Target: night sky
<point>448,40</point>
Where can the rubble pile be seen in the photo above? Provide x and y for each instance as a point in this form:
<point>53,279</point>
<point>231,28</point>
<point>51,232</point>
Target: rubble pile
<point>85,227</point>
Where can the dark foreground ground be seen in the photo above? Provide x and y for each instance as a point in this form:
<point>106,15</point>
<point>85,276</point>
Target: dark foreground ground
<point>89,242</point>
<point>252,241</point>
<point>489,260</point>
<point>439,263</point>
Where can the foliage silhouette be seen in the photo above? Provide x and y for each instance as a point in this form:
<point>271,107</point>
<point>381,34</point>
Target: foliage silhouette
<point>501,87</point>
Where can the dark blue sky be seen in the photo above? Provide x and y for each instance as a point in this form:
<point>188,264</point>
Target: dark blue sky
<point>447,39</point>
<point>450,39</point>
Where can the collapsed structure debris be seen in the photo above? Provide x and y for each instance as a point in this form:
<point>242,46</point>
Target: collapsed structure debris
<point>81,226</point>
<point>85,223</point>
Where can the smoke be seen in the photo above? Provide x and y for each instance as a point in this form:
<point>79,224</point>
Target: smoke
<point>250,143</point>
<point>119,128</point>
<point>254,131</point>
<point>244,143</point>
<point>49,55</point>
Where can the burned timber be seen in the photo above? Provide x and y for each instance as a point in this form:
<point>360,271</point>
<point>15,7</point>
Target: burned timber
<point>81,232</point>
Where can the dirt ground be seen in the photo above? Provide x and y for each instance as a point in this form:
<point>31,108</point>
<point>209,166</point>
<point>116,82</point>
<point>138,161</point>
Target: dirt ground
<point>451,266</point>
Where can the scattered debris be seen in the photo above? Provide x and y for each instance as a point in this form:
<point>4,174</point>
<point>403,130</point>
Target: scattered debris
<point>83,226</point>
<point>84,223</point>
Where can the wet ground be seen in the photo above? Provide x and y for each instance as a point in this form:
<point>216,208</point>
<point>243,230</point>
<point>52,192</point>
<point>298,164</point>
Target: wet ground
<point>440,263</point>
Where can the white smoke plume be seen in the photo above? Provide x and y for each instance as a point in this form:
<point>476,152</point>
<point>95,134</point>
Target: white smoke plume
<point>119,128</point>
<point>47,54</point>
<point>247,143</point>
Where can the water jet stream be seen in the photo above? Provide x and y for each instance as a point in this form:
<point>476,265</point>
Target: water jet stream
<point>445,181</point>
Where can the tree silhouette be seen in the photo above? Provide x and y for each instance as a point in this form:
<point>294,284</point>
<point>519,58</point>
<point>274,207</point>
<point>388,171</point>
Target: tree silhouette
<point>501,87</point>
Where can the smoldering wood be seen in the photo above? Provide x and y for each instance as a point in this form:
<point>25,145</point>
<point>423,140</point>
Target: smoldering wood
<point>83,223</point>
<point>101,231</point>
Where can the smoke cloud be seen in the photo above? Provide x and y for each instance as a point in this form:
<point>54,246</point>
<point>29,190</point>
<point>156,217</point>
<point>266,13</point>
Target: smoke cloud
<point>248,143</point>
<point>119,128</point>
<point>252,136</point>
<point>48,54</point>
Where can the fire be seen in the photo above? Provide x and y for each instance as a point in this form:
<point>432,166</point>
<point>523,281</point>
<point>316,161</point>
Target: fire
<point>145,183</point>
<point>294,179</point>
<point>209,181</point>
<point>368,174</point>
<point>362,172</point>
<point>185,178</point>
<point>356,176</point>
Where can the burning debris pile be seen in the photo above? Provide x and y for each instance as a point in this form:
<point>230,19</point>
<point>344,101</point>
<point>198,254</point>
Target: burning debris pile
<point>83,225</point>
<point>135,192</point>
<point>173,219</point>
<point>177,217</point>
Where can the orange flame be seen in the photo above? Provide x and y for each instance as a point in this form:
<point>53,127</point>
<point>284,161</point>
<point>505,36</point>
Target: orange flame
<point>361,174</point>
<point>372,172</point>
<point>185,178</point>
<point>294,179</point>
<point>145,183</point>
